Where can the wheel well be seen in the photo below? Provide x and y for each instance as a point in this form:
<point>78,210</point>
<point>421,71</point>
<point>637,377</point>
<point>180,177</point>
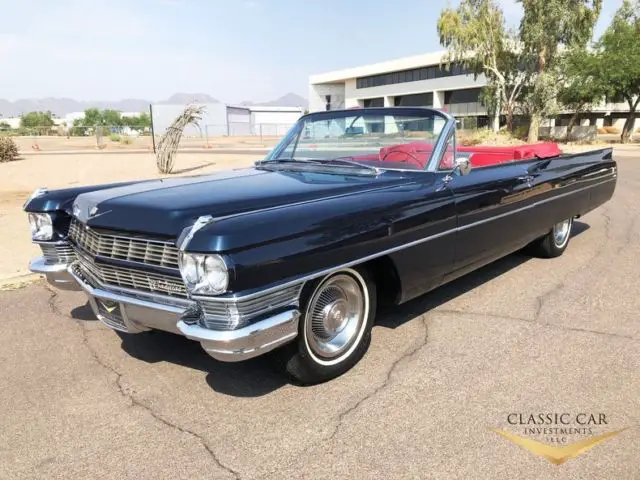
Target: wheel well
<point>387,280</point>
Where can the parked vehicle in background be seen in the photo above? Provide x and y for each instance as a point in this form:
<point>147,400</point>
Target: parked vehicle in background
<point>352,209</point>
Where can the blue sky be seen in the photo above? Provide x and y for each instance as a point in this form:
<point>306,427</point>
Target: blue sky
<point>232,49</point>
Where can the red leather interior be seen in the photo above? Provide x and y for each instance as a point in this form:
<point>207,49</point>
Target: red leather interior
<point>484,156</point>
<point>418,153</point>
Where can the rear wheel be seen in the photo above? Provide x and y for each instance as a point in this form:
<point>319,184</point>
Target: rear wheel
<point>335,326</point>
<point>554,243</point>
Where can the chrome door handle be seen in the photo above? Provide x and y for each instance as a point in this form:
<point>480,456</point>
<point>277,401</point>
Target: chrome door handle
<point>525,179</point>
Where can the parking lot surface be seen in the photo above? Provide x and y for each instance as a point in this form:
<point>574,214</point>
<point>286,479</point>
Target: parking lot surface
<point>522,335</point>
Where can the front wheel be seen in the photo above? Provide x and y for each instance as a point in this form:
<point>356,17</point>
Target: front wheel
<point>335,326</point>
<point>554,243</point>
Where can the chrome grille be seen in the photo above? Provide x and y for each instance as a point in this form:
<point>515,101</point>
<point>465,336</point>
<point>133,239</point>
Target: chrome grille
<point>60,253</point>
<point>229,315</point>
<point>133,249</point>
<point>133,279</point>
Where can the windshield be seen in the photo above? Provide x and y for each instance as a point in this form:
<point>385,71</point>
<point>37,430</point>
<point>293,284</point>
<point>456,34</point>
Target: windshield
<point>388,138</point>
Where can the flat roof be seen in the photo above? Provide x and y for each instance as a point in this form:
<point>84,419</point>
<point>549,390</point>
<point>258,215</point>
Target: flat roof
<point>416,61</point>
<point>267,108</point>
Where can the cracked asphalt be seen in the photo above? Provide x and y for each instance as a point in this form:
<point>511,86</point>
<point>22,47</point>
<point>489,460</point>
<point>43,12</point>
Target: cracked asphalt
<point>78,400</point>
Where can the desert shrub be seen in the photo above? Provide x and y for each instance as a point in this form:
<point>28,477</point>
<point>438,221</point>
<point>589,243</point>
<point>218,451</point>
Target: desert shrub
<point>114,137</point>
<point>484,136</point>
<point>612,129</point>
<point>8,149</point>
<point>126,140</point>
<point>521,132</point>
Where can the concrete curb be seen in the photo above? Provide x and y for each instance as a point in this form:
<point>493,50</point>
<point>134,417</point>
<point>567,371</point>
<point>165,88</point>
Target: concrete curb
<point>20,281</point>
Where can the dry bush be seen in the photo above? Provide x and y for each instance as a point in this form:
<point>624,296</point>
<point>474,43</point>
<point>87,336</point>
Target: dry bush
<point>8,149</point>
<point>615,130</point>
<point>114,137</point>
<point>170,141</point>
<point>126,140</point>
<point>485,136</point>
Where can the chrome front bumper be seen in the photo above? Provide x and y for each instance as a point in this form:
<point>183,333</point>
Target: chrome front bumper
<point>138,315</point>
<point>56,274</point>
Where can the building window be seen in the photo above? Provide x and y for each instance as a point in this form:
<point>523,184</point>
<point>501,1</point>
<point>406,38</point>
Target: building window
<point>468,95</point>
<point>373,102</point>
<point>417,100</point>
<point>412,75</point>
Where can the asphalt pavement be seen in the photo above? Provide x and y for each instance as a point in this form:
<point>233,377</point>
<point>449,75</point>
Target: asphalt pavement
<point>523,335</point>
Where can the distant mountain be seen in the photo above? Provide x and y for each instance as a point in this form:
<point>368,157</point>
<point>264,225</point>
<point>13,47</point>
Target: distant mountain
<point>184,98</point>
<point>288,100</point>
<point>62,106</point>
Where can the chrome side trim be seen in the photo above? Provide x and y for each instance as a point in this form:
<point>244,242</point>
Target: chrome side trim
<point>328,271</point>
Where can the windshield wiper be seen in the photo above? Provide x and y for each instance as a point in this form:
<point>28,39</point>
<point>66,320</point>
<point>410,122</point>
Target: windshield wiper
<point>340,161</point>
<point>344,161</point>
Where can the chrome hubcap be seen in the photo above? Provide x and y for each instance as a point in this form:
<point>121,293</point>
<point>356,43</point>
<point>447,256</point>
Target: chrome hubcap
<point>561,232</point>
<point>334,316</point>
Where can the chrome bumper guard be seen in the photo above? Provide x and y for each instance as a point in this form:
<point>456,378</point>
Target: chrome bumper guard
<point>130,314</point>
<point>56,274</point>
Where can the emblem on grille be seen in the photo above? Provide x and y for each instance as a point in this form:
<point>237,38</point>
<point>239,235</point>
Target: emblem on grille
<point>76,210</point>
<point>164,286</point>
<point>108,306</point>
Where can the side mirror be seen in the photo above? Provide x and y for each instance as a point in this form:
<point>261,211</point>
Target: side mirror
<point>462,166</point>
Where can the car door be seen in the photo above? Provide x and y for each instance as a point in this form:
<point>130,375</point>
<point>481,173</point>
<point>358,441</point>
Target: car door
<point>492,206</point>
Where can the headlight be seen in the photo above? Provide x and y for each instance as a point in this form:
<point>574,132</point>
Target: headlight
<point>41,226</point>
<point>204,274</point>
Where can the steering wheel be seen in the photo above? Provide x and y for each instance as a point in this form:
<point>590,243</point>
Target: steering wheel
<point>410,155</point>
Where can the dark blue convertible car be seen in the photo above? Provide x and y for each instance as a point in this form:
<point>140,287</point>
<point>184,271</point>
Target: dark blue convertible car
<point>351,209</point>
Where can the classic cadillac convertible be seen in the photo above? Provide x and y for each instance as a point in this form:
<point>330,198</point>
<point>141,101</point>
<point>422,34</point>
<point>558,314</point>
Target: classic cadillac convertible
<point>350,210</point>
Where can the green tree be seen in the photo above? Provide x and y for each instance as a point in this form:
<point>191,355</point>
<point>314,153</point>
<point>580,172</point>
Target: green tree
<point>617,61</point>
<point>474,34</point>
<point>36,119</point>
<point>546,25</point>
<point>580,84</point>
<point>92,117</point>
<point>4,126</point>
<point>139,122</point>
<point>112,118</point>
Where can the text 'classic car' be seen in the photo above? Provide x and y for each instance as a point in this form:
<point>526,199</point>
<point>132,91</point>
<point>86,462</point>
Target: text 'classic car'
<point>351,210</point>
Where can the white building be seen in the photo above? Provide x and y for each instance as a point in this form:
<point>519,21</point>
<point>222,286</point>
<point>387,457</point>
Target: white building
<point>230,120</point>
<point>421,81</point>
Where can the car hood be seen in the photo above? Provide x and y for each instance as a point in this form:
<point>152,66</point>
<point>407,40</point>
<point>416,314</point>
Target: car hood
<point>165,207</point>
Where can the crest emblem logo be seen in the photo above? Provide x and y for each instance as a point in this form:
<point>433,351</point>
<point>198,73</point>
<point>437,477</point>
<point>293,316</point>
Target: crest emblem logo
<point>93,211</point>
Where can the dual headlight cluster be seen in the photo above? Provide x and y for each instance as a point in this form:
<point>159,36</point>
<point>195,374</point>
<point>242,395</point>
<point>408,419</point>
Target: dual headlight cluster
<point>204,274</point>
<point>41,226</point>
